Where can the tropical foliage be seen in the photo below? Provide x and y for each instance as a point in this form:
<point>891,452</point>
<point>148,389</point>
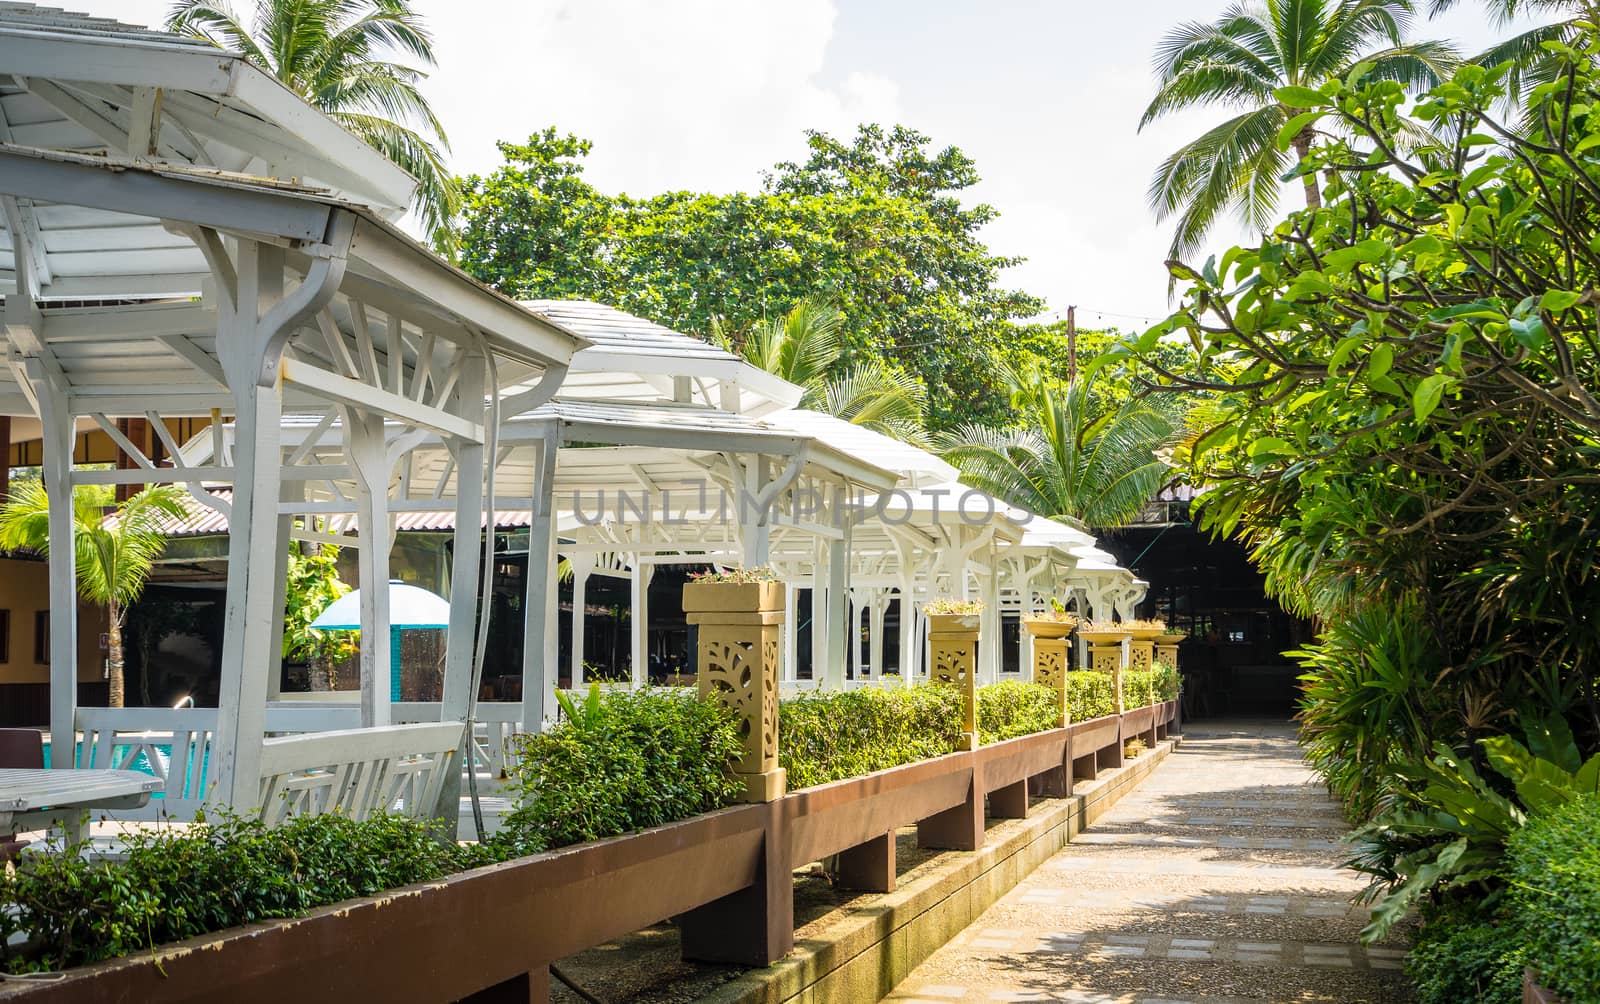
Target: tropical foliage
<point>337,55</point>
<point>873,226</point>
<point>312,584</point>
<point>802,347</point>
<point>114,551</point>
<point>1399,421</point>
<point>1266,59</point>
<point>1070,455</point>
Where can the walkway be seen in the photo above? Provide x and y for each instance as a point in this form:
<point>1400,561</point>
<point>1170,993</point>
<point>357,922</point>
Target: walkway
<point>1215,882</point>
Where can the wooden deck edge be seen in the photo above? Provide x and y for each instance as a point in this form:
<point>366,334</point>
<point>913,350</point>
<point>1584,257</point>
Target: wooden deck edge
<point>866,956</point>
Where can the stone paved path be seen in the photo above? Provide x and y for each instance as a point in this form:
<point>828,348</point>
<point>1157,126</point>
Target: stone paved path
<point>1214,882</point>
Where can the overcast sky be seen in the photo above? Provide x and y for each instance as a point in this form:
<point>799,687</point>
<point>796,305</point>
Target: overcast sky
<point>704,94</point>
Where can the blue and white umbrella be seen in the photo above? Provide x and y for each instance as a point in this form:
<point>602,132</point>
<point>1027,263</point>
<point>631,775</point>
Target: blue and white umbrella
<point>410,608</point>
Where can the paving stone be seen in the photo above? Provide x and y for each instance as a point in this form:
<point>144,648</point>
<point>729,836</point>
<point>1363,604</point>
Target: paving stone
<point>1218,881</point>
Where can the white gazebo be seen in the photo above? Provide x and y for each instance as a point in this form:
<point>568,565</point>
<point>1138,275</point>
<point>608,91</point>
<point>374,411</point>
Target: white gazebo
<point>185,237</point>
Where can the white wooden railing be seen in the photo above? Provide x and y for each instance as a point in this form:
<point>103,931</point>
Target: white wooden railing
<point>309,762</point>
<point>356,772</point>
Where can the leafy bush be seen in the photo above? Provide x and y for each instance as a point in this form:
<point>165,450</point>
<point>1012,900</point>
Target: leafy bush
<point>1149,686</point>
<point>1448,825</point>
<point>1090,695</point>
<point>825,737</point>
<point>176,884</point>
<point>1554,868</point>
<point>1367,702</point>
<point>1011,708</point>
<point>1464,956</point>
<point>624,762</point>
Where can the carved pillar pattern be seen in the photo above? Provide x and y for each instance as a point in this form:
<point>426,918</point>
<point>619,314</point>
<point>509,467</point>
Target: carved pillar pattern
<point>1142,649</point>
<point>1167,649</point>
<point>1106,656</point>
<point>954,642</point>
<point>1050,665</point>
<point>740,628</point>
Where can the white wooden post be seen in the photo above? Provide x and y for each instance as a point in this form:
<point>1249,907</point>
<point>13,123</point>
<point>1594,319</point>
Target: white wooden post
<point>466,566</point>
<point>791,632</point>
<point>991,624</point>
<point>252,528</point>
<point>819,618</point>
<point>538,626</point>
<point>908,630</point>
<point>254,321</point>
<point>838,608</point>
<point>639,622</point>
<point>582,566</point>
<point>369,455</point>
<point>876,608</point>
<point>59,433</point>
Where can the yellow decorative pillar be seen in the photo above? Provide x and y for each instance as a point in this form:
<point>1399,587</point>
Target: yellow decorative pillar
<point>953,642</point>
<point>1105,656</point>
<point>1052,658</point>
<point>1167,648</point>
<point>739,625</point>
<point>1142,648</point>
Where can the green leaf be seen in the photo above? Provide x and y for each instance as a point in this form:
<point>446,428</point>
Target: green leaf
<point>1557,300</point>
<point>1381,361</point>
<point>1427,395</point>
<point>1301,97</point>
<point>1529,332</point>
<point>1293,127</point>
<point>1270,446</point>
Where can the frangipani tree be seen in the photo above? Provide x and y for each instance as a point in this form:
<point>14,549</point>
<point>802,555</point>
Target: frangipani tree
<point>115,551</point>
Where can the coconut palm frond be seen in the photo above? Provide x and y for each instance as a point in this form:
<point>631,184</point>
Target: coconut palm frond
<point>1068,458</point>
<point>875,396</point>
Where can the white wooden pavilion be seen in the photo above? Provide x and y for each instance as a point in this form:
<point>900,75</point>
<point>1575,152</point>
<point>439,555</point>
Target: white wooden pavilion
<point>146,274</point>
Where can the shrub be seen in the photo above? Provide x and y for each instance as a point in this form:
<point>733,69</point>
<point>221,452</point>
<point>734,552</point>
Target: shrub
<point>175,884</point>
<point>1149,686</point>
<point>1464,956</point>
<point>825,737</point>
<point>1554,867</point>
<point>625,762</point>
<point>1090,695</point>
<point>1011,708</point>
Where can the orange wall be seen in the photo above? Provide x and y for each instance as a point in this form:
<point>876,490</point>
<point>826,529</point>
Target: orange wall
<point>24,591</point>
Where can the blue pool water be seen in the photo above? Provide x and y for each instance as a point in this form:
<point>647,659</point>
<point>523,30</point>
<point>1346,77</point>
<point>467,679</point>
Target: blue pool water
<point>136,756</point>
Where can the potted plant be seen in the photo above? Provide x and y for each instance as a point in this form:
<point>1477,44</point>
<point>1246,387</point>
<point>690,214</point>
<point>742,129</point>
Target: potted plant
<point>1145,630</point>
<point>732,590</point>
<point>948,616</point>
<point>1104,632</point>
<point>1057,622</point>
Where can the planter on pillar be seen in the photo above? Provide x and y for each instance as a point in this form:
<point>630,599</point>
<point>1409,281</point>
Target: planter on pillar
<point>1142,649</point>
<point>953,641</point>
<point>740,624</point>
<point>1052,656</point>
<point>1167,648</point>
<point>1105,654</point>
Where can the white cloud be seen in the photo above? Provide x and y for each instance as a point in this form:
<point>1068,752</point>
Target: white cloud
<point>698,94</point>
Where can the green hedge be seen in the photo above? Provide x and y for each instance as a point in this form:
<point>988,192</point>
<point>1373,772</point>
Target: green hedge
<point>626,761</point>
<point>1465,956</point>
<point>1149,686</point>
<point>1554,867</point>
<point>829,736</point>
<point>176,884</point>
<point>1090,695</point>
<point>1011,708</point>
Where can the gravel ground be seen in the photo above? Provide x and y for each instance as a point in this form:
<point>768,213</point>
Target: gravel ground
<point>1217,882</point>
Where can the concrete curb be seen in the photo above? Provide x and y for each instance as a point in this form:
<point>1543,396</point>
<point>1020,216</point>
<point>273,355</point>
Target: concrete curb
<point>867,954</point>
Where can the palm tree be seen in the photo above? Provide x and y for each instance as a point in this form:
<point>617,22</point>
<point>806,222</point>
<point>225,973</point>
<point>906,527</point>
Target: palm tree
<point>1241,61</point>
<point>114,551</point>
<point>875,396</point>
<point>802,347</point>
<point>1067,457</point>
<point>332,53</point>
<point>1531,63</point>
